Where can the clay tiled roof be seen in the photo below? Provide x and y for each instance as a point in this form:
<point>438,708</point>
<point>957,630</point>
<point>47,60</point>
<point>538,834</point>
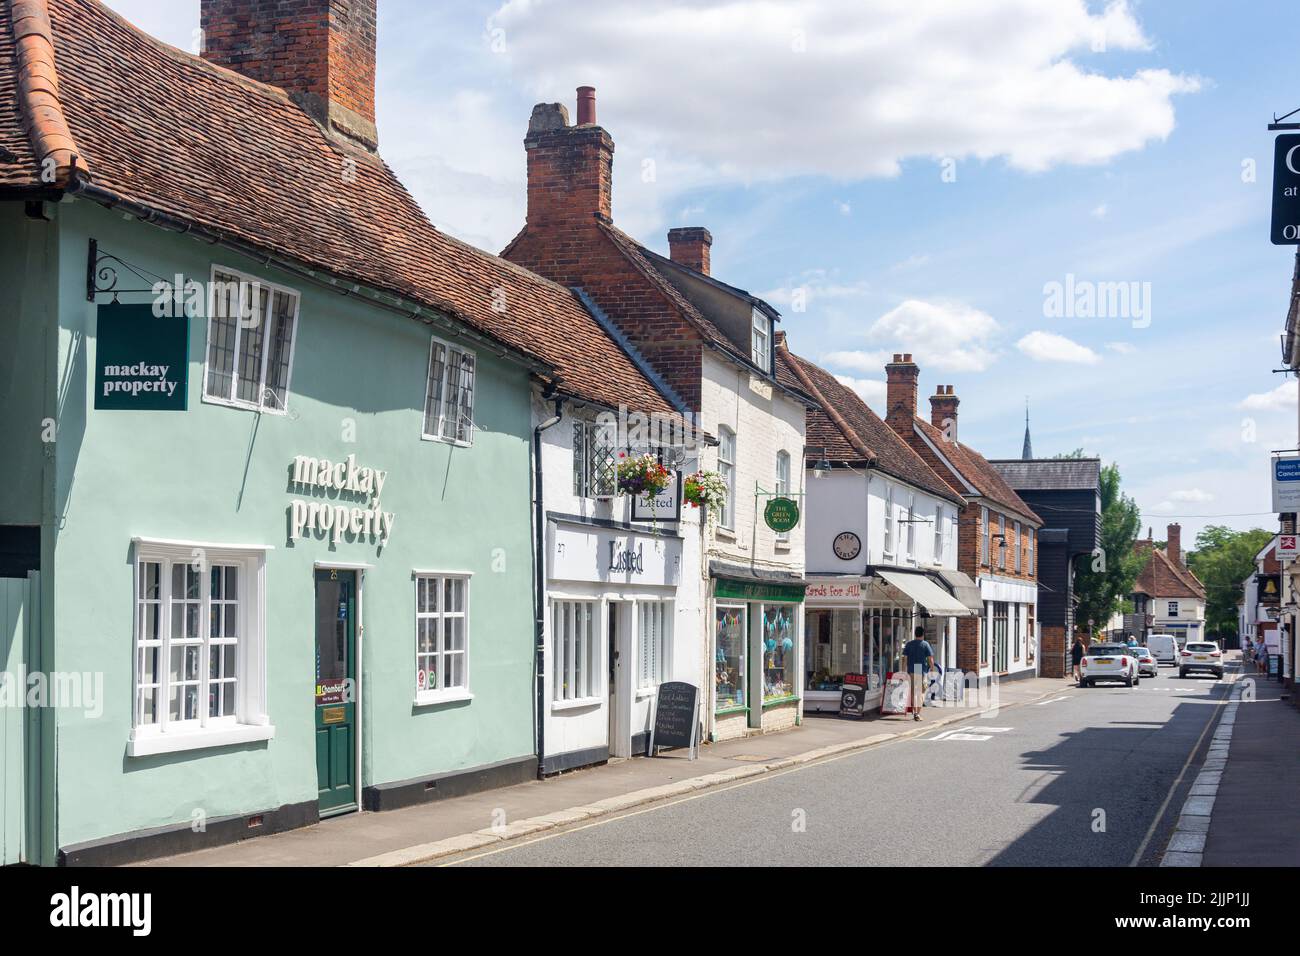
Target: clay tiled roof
<point>1163,577</point>
<point>648,263</point>
<point>849,431</point>
<point>238,160</point>
<point>979,473</point>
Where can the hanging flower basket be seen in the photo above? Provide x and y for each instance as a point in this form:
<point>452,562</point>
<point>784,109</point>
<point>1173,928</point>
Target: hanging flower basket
<point>642,475</point>
<point>705,489</point>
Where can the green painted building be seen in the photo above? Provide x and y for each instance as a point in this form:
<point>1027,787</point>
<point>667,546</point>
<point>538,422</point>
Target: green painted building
<point>270,555</point>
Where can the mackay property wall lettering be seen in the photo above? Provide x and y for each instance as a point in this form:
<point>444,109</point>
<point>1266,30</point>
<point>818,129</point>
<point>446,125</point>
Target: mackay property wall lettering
<point>365,519</point>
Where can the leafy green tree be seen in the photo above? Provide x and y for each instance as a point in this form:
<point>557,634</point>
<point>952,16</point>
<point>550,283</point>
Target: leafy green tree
<point>1223,559</point>
<point>1104,581</point>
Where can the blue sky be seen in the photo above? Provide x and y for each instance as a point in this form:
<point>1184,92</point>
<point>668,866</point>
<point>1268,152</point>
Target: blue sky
<point>917,173</point>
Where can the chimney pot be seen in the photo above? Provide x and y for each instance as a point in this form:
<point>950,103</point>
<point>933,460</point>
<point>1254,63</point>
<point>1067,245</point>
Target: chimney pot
<point>586,106</point>
<point>943,410</point>
<point>1174,543</point>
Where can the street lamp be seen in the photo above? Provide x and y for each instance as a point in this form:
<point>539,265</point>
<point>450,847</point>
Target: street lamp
<point>823,466</point>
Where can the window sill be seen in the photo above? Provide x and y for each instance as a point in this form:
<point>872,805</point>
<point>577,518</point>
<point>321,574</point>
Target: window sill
<point>427,698</point>
<point>246,406</point>
<point>778,701</point>
<point>146,745</point>
<point>645,692</point>
<point>447,441</point>
<point>727,534</point>
<point>577,704</point>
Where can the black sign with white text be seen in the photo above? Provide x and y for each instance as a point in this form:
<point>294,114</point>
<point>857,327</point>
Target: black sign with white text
<point>1286,190</point>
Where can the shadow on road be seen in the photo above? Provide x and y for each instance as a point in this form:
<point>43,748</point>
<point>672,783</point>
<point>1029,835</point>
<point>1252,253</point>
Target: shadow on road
<point>1107,783</point>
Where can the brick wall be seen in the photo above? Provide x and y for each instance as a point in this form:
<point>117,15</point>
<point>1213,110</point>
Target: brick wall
<point>320,52</point>
<point>1051,651</point>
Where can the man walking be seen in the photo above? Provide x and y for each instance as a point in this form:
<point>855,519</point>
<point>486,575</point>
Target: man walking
<point>1076,660</point>
<point>919,656</point>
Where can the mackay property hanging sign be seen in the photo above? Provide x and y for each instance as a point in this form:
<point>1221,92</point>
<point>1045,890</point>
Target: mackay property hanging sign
<point>1286,190</point>
<point>141,360</point>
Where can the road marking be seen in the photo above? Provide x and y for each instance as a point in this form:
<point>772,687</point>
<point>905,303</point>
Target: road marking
<point>964,733</point>
<point>1040,703</point>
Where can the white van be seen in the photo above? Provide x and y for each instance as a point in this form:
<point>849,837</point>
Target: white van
<point>1163,647</point>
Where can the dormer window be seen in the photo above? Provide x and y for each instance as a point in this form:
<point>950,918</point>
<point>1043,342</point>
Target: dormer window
<point>761,341</point>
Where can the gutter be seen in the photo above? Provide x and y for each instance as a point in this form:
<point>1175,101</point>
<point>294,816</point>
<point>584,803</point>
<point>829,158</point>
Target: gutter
<point>448,318</point>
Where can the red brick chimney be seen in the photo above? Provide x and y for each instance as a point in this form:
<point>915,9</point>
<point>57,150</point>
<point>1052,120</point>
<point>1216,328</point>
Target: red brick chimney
<point>320,52</point>
<point>689,246</point>
<point>943,410</point>
<point>1174,543</point>
<point>570,168</point>
<point>900,392</point>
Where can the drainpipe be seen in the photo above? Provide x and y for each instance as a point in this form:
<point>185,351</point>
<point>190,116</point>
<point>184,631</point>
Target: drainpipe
<point>539,566</point>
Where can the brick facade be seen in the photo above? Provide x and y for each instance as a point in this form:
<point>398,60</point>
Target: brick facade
<point>320,52</point>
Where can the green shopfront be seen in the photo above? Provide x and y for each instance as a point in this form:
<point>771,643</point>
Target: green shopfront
<point>284,545</point>
<point>757,629</point>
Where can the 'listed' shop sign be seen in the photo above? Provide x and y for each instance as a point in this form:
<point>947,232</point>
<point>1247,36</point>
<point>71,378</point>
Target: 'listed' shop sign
<point>141,360</point>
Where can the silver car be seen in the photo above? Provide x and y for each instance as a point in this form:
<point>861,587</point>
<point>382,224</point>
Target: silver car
<point>1148,666</point>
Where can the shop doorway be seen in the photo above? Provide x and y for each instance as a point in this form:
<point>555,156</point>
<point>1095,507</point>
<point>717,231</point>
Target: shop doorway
<point>336,696</point>
<point>618,627</point>
<point>1000,660</point>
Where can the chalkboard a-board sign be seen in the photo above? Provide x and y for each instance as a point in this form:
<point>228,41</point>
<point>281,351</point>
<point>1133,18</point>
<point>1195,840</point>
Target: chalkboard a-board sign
<point>676,717</point>
<point>853,696</point>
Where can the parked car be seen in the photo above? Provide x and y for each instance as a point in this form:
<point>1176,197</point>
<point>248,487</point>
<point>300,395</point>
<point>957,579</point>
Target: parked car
<point>1164,648</point>
<point>1199,657</point>
<point>1147,665</point>
<point>1110,662</point>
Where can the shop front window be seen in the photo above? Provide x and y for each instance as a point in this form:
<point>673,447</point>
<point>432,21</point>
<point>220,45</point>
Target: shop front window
<point>729,670</point>
<point>778,653</point>
<point>832,647</point>
<point>888,632</point>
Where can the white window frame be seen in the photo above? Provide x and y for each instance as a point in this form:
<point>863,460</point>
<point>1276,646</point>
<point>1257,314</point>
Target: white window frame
<point>250,721</point>
<point>444,384</point>
<point>1172,609</point>
<point>1029,543</point>
<point>1016,533</point>
<point>589,648</point>
<point>940,531</point>
<point>653,670</point>
<point>247,280</point>
<point>889,521</point>
<point>783,486</point>
<point>727,470</point>
<point>586,483</point>
<point>986,558</point>
<point>760,340</point>
<point>439,695</point>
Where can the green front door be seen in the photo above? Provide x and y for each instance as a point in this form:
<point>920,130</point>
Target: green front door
<point>336,663</point>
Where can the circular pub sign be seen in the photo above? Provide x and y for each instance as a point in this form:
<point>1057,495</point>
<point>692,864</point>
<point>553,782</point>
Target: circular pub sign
<point>781,514</point>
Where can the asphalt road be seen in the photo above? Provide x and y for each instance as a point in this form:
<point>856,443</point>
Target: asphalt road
<point>1075,781</point>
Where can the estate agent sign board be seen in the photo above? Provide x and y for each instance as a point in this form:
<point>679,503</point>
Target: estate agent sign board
<point>141,361</point>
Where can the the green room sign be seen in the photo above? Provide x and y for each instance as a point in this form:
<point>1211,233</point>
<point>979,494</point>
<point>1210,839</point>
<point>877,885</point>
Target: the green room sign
<point>781,514</point>
<point>141,361</point>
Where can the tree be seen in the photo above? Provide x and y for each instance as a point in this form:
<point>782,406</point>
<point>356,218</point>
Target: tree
<point>1223,559</point>
<point>1103,581</point>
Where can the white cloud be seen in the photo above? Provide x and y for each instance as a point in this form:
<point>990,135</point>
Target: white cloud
<point>1195,495</point>
<point>870,390</point>
<point>850,88</point>
<point>814,285</point>
<point>1099,212</point>
<point>1050,347</point>
<point>943,335</point>
<point>1123,348</point>
<point>1282,398</point>
<point>844,207</point>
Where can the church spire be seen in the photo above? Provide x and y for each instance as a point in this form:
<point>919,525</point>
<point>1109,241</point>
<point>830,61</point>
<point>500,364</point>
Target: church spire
<point>1028,451</point>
